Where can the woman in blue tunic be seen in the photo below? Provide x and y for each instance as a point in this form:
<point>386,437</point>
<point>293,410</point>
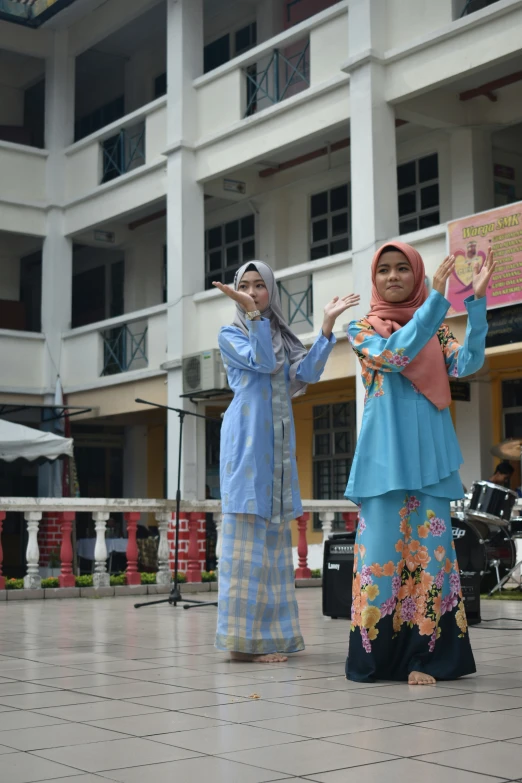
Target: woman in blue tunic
<point>266,366</point>
<point>408,617</point>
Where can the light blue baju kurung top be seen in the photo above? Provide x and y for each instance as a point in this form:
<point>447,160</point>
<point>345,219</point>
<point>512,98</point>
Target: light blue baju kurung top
<point>405,441</point>
<point>258,471</point>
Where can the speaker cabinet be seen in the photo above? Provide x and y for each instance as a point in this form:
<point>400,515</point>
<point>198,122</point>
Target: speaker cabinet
<point>338,575</point>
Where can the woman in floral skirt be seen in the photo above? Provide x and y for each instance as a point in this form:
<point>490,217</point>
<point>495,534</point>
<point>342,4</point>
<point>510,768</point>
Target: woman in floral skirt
<point>408,617</point>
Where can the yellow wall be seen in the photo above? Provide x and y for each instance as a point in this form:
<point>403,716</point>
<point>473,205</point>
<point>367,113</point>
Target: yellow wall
<point>120,398</point>
<point>503,366</point>
<point>324,393</point>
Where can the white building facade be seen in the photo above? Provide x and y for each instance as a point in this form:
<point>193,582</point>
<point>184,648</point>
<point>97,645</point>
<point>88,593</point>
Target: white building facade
<point>148,148</point>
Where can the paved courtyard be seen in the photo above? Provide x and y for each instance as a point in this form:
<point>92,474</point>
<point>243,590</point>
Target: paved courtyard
<point>94,690</point>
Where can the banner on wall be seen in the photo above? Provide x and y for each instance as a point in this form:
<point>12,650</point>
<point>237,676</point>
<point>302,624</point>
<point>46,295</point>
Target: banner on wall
<point>469,239</point>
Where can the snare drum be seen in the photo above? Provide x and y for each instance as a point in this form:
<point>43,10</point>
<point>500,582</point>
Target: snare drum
<point>491,503</point>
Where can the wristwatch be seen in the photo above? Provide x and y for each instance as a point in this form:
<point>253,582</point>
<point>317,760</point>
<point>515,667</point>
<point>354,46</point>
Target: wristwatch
<point>253,314</point>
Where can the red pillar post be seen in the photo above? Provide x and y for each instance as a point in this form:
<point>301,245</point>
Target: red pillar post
<point>193,565</point>
<point>350,520</point>
<point>2,578</point>
<point>66,578</point>
<point>302,572</point>
<point>132,575</point>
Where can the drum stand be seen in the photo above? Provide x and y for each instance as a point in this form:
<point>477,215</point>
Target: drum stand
<point>501,582</point>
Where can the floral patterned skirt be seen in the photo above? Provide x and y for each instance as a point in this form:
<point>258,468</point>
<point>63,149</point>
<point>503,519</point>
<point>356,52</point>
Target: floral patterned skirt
<point>407,608</point>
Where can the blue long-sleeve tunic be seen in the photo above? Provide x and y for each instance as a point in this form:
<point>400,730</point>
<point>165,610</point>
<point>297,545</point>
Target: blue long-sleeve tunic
<point>258,472</point>
<point>405,441</point>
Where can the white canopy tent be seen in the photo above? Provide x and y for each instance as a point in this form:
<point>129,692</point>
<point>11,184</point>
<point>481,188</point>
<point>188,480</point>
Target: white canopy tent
<point>19,442</point>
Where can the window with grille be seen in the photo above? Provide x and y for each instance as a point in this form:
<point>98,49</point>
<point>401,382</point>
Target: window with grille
<point>418,193</point>
<point>227,247</point>
<point>333,448</point>
<point>330,222</point>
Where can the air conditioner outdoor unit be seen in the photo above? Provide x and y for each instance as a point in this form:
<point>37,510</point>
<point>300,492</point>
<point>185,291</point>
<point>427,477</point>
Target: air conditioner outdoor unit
<point>204,372</point>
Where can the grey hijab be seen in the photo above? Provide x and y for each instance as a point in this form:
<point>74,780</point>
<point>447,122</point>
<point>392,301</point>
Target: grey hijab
<point>285,342</point>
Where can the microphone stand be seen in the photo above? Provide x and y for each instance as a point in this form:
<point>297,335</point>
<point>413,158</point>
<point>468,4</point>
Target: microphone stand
<point>175,597</point>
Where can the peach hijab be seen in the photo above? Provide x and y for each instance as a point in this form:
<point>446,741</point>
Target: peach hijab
<point>428,369</point>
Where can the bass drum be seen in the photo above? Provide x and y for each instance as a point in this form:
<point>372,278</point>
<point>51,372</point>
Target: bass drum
<point>477,545</point>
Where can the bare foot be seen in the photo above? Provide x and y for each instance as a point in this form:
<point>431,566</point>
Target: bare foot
<point>270,658</point>
<point>419,678</point>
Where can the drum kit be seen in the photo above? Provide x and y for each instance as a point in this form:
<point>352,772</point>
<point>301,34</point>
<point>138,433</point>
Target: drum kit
<point>486,526</point>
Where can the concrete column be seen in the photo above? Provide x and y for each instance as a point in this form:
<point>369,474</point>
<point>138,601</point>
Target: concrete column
<point>373,159</point>
<point>269,19</point>
<point>185,226</point>
<point>57,248</point>
<point>472,187</point>
<point>135,462</point>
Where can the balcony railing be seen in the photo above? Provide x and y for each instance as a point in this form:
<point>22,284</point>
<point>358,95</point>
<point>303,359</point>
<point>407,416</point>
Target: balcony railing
<point>129,343</point>
<point>303,59</point>
<point>286,73</point>
<point>124,349</point>
<point>133,144</point>
<point>123,152</point>
<point>297,301</point>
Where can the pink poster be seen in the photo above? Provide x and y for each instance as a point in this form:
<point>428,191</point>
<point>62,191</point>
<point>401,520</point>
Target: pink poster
<point>469,239</point>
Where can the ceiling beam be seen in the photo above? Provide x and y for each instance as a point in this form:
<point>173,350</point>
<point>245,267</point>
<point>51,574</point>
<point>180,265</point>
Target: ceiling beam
<point>487,88</point>
<point>318,153</point>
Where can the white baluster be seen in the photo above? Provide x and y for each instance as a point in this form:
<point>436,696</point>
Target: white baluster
<point>100,577</point>
<point>33,580</point>
<point>163,575</point>
<point>218,519</point>
<point>327,518</point>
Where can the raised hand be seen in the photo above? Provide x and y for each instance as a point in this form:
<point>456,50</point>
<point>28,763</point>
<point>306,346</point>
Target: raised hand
<point>243,299</point>
<point>440,278</point>
<point>482,274</point>
<point>337,306</point>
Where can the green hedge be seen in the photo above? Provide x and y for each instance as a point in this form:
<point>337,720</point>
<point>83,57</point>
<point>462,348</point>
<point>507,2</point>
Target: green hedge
<point>115,580</point>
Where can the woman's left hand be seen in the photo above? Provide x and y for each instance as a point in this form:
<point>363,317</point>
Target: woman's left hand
<point>482,276</point>
<point>335,308</point>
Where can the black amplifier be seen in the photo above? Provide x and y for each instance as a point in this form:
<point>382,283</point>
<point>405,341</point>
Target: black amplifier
<point>338,575</point>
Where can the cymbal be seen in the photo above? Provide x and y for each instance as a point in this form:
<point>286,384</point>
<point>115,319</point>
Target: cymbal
<point>508,449</point>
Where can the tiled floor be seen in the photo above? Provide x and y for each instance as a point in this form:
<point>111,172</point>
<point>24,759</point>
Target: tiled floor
<point>94,690</point>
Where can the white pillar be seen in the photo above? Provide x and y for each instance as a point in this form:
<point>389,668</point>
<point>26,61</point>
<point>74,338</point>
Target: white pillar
<point>218,520</point>
<point>185,223</point>
<point>163,575</point>
<point>100,577</point>
<point>472,184</point>
<point>327,519</point>
<point>57,248</point>
<point>373,158</point>
<point>32,580</point>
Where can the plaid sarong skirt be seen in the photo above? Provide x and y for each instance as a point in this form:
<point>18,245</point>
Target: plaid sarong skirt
<point>257,609</point>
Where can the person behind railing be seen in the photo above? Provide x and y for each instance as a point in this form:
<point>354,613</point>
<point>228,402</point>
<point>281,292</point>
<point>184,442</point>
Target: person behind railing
<point>266,366</point>
<point>408,617</point>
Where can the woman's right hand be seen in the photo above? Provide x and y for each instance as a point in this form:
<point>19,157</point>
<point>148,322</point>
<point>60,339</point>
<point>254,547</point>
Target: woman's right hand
<point>440,278</point>
<point>243,299</point>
